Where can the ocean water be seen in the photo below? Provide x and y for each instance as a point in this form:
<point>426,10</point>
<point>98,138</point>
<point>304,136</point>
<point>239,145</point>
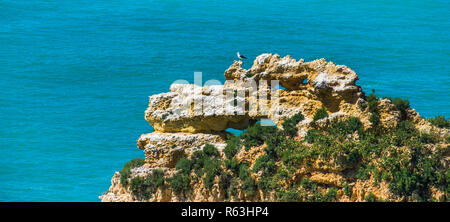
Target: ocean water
<point>75,76</point>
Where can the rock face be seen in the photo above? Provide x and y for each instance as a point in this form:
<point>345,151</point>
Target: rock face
<point>165,149</point>
<point>308,87</point>
<point>190,116</point>
<point>175,111</point>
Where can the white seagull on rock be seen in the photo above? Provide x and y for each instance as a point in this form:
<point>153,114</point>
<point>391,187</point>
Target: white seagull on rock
<point>240,56</point>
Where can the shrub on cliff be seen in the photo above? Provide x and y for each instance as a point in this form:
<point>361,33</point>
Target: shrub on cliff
<point>244,171</point>
<point>247,182</point>
<point>372,102</point>
<point>139,188</point>
<point>232,147</point>
<point>212,169</point>
<point>290,124</point>
<point>206,164</point>
<point>232,165</point>
<point>440,121</point>
<point>347,190</point>
<point>253,136</point>
<point>374,119</point>
<point>320,114</point>
<point>157,178</point>
<point>210,150</point>
<point>144,187</point>
<point>265,164</point>
<point>402,105</point>
<point>179,183</point>
<point>248,186</point>
<point>343,128</point>
<point>417,175</point>
<point>290,195</point>
<point>276,143</point>
<point>198,161</point>
<point>330,195</point>
<point>403,133</point>
<point>312,135</point>
<point>184,165</point>
<point>126,170</point>
<point>256,134</point>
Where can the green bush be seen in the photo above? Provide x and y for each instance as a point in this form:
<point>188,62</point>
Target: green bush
<point>320,114</point>
<point>440,121</point>
<point>248,186</point>
<point>126,170</point>
<point>347,190</point>
<point>253,136</point>
<point>266,184</point>
<point>144,187</point>
<point>233,165</point>
<point>139,188</point>
<point>210,150</point>
<point>185,165</point>
<point>306,183</point>
<point>233,188</point>
<point>157,178</point>
<point>404,132</point>
<point>244,171</point>
<point>372,102</point>
<point>198,161</point>
<point>290,195</point>
<point>312,135</point>
<point>362,106</point>
<point>348,126</point>
<point>402,106</point>
<point>232,147</point>
<point>212,168</point>
<point>179,183</point>
<point>265,164</point>
<point>375,120</point>
<point>331,195</point>
<point>275,144</point>
<point>290,124</point>
<point>363,173</point>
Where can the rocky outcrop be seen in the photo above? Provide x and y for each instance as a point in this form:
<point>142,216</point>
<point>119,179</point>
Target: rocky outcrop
<point>190,116</point>
<point>308,86</point>
<point>165,149</point>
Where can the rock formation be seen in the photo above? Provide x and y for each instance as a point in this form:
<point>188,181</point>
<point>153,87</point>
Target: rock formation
<point>183,127</point>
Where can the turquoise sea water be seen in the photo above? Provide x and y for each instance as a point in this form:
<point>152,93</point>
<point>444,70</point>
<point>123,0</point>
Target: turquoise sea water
<point>75,76</point>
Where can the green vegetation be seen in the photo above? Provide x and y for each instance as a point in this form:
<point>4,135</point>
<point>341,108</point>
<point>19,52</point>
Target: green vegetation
<point>408,160</point>
<point>372,102</point>
<point>290,125</point>
<point>126,170</point>
<point>184,165</point>
<point>265,164</point>
<point>256,135</point>
<point>402,106</point>
<point>347,190</point>
<point>210,150</point>
<point>143,187</point>
<point>232,147</point>
<point>320,114</point>
<point>440,121</point>
<point>180,183</point>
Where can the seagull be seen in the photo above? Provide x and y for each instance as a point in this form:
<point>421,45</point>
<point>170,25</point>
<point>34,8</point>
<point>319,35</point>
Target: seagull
<point>240,56</point>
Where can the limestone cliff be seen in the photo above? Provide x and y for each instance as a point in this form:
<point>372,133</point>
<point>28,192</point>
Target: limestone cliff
<point>331,155</point>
